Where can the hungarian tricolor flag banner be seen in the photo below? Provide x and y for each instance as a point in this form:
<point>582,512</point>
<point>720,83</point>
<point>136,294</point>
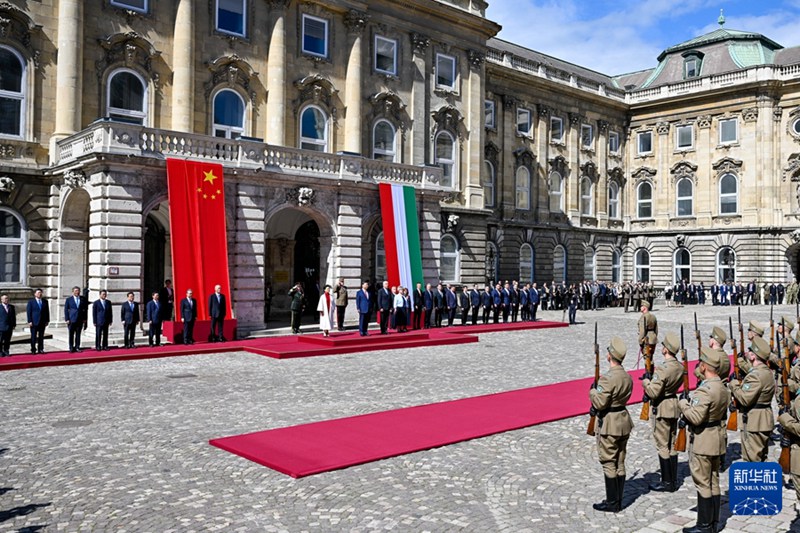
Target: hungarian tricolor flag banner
<point>401,235</point>
<point>198,234</point>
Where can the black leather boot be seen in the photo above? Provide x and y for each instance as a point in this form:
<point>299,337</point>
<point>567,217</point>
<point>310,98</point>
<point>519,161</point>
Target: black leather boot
<point>673,467</point>
<point>715,503</point>
<point>620,490</point>
<point>612,502</point>
<point>705,508</point>
<point>667,483</point>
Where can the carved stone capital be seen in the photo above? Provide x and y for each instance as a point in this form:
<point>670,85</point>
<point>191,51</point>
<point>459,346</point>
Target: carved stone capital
<point>74,179</point>
<point>662,128</point>
<point>419,42</point>
<point>704,121</point>
<point>750,114</point>
<point>355,21</point>
<point>476,58</point>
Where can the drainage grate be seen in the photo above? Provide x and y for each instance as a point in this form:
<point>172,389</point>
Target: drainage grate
<point>71,423</point>
<point>181,376</point>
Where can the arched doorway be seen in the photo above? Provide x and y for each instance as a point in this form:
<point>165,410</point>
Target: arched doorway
<point>157,259</point>
<point>74,243</point>
<point>307,263</point>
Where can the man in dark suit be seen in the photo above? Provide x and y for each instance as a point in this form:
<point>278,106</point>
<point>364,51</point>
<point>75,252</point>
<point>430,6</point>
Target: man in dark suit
<point>154,314</point>
<point>38,311</point>
<point>438,305</point>
<point>524,308</point>
<point>385,301</point>
<point>475,303</point>
<point>514,293</point>
<point>450,304</point>
<point>486,303</point>
<point>418,305</point>
<point>363,306</point>
<point>166,298</point>
<point>188,317</point>
<point>497,302</point>
<point>463,303</point>
<point>506,296</point>
<point>75,314</point>
<point>102,318</point>
<point>533,301</point>
<point>218,310</point>
<point>8,321</point>
<point>130,317</point>
<point>427,300</point>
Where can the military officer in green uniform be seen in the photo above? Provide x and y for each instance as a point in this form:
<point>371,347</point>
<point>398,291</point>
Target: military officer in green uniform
<point>608,399</point>
<point>705,416</point>
<point>754,397</point>
<point>790,420</point>
<point>662,390</point>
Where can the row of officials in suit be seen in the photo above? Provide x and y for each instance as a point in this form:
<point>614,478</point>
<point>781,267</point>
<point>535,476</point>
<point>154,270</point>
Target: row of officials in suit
<point>76,314</point>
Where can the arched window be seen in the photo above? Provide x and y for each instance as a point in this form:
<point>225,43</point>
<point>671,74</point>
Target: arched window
<point>12,92</point>
<point>589,264</point>
<point>127,97</point>
<point>726,265</point>
<point>613,200</point>
<point>644,200</point>
<point>313,129</point>
<point>492,262</point>
<point>616,266</point>
<point>488,184</point>
<point>12,247</point>
<point>380,258</point>
<point>685,194</point>
<point>641,266</point>
<point>445,149</point>
<point>228,114</point>
<point>683,265</point>
<point>383,141</point>
<point>526,269</point>
<point>728,195</point>
<point>559,263</point>
<point>586,196</point>
<point>556,193</point>
<point>448,259</point>
<point>523,188</point>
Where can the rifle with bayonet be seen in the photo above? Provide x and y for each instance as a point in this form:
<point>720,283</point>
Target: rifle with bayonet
<point>590,429</point>
<point>680,441</point>
<point>741,345</point>
<point>771,330</point>
<point>733,419</point>
<point>697,335</point>
<point>648,373</point>
<point>786,446</point>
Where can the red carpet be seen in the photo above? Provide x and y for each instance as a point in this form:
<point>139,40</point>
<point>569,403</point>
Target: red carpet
<point>333,444</point>
<point>278,347</point>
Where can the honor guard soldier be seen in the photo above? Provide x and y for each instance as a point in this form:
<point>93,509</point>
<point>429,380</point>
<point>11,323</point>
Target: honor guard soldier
<point>717,342</point>
<point>786,341</point>
<point>705,415</point>
<point>661,388</point>
<point>754,396</point>
<point>608,399</point>
<point>648,327</point>
<point>753,330</point>
<point>794,374</point>
<point>790,420</point>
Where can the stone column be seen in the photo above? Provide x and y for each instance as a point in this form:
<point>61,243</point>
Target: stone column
<point>276,75</point>
<point>247,260</point>
<point>572,188</point>
<point>183,68</point>
<point>601,186</point>
<point>473,156</point>
<point>349,248</point>
<point>541,171</point>
<point>420,97</point>
<point>69,69</point>
<point>355,22</point>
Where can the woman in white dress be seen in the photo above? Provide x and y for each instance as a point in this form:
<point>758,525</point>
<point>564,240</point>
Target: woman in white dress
<point>327,310</point>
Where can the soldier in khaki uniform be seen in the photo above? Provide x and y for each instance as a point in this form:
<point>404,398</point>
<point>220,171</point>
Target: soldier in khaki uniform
<point>661,388</point>
<point>786,341</point>
<point>608,399</point>
<point>794,373</point>
<point>790,420</point>
<point>753,330</point>
<point>754,396</point>
<point>717,342</point>
<point>705,414</point>
<point>648,327</point>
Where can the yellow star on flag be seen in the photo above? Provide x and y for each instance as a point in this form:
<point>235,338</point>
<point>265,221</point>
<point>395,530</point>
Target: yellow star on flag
<point>209,177</point>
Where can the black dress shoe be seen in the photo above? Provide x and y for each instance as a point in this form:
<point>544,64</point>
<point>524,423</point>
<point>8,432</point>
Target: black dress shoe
<point>33,352</point>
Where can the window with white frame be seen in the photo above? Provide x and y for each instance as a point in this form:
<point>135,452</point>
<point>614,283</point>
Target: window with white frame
<point>684,137</point>
<point>526,263</point>
<point>616,266</point>
<point>556,193</point>
<point>488,184</point>
<point>728,195</point>
<point>556,129</point>
<point>641,266</point>
<point>445,154</point>
<point>380,258</point>
<point>315,36</point>
<point>587,136</point>
<point>683,266</point>
<point>127,97</point>
<point>691,67</point>
<point>383,141</point>
<point>523,188</point>
<point>489,119</point>
<point>644,142</point>
<point>559,263</point>
<point>613,142</point>
<point>523,121</point>
<point>684,198</point>
<point>139,6</point>
<point>726,265</point>
<point>644,200</point>
<point>445,71</point>
<point>448,259</point>
<point>314,129</point>
<point>228,114</point>
<point>385,55</point>
<point>613,200</point>
<point>589,264</point>
<point>231,16</point>
<point>586,196</point>
<point>728,131</point>
<point>12,92</point>
<point>12,247</point>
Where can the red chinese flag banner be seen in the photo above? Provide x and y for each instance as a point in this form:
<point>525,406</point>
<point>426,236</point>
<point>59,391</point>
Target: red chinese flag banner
<point>198,233</point>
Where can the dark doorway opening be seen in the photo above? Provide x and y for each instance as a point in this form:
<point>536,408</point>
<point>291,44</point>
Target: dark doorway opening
<point>155,240</point>
<point>306,263</point>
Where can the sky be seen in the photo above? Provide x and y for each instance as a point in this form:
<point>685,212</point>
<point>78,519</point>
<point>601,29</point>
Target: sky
<point>621,36</point>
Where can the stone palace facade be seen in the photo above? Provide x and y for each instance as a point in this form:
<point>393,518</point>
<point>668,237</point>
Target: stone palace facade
<point>528,167</point>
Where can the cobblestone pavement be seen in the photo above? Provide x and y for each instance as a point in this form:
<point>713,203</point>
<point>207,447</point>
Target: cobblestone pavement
<point>123,446</point>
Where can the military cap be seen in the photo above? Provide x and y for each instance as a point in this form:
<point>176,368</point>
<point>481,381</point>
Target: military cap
<point>617,349</point>
<point>724,362</point>
<point>787,322</point>
<point>760,348</point>
<point>710,356</point>
<point>672,343</point>
<point>719,335</point>
<point>755,328</point>
<point>646,304</point>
